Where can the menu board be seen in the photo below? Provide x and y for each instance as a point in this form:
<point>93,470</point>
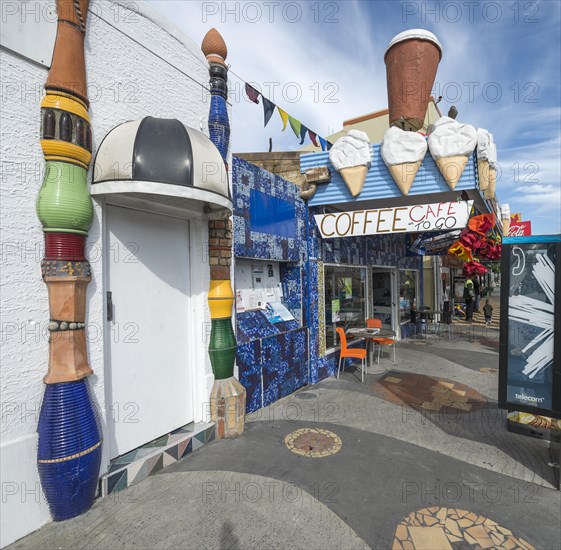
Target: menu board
<point>530,373</point>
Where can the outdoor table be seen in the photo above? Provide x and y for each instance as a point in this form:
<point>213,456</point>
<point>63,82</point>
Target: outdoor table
<point>427,314</point>
<point>367,334</point>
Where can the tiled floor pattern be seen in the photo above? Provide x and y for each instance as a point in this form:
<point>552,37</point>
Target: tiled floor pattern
<point>451,529</point>
<point>149,459</point>
<point>313,442</point>
<point>428,393</point>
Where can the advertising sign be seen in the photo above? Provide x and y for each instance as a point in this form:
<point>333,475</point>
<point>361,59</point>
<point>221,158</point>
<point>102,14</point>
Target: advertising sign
<point>519,228</point>
<point>440,216</point>
<point>529,369</point>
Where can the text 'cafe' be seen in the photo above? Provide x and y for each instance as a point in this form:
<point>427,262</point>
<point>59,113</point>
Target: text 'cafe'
<point>415,218</point>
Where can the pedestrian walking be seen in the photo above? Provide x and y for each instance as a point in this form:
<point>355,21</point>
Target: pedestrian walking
<point>469,299</point>
<point>477,290</point>
<point>488,312</point>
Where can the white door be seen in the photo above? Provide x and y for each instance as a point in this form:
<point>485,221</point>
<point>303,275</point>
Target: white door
<point>150,388</point>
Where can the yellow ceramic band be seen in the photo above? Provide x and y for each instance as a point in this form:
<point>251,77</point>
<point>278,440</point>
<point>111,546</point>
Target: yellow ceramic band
<point>71,457</point>
<point>63,149</point>
<point>220,299</point>
<point>65,103</point>
<point>66,159</point>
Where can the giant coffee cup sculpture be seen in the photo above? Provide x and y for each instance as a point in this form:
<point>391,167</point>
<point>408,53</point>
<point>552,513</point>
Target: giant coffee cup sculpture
<point>69,450</point>
<point>412,59</point>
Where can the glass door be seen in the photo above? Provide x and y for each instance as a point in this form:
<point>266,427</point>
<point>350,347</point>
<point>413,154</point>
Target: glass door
<point>383,296</point>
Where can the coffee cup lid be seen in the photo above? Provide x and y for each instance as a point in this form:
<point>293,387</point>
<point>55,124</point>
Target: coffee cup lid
<point>419,34</point>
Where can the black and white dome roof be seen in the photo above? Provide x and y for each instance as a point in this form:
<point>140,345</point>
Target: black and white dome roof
<point>162,151</point>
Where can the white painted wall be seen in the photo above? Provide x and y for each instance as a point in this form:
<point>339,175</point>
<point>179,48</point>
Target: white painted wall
<point>138,65</point>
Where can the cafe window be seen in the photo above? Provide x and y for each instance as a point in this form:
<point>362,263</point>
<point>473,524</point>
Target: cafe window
<point>407,293</point>
<point>345,300</point>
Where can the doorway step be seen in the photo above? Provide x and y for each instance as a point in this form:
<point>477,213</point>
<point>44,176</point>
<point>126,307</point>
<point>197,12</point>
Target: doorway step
<point>134,466</point>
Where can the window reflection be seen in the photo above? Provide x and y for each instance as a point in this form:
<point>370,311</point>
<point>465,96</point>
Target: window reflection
<point>345,304</point>
<point>407,293</point>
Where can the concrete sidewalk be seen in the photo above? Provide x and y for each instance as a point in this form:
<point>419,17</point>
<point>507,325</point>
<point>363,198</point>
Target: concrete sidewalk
<point>418,457</point>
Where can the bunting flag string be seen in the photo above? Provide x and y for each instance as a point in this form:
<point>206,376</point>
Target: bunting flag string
<point>284,117</point>
<point>296,125</point>
<point>303,132</point>
<point>299,129</point>
<point>313,137</point>
<point>252,93</point>
<point>268,109</point>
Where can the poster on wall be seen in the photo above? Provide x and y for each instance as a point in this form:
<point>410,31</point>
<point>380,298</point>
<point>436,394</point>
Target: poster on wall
<point>529,369</point>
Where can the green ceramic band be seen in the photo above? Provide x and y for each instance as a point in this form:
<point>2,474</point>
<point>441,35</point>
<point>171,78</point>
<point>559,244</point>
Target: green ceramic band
<point>222,348</point>
<point>64,203</point>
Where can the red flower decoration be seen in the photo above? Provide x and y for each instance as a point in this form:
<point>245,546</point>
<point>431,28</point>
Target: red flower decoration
<point>482,224</point>
<point>475,268</point>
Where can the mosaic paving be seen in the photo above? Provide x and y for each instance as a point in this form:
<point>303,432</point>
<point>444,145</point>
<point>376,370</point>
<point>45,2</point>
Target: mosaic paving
<point>451,529</point>
<point>132,467</point>
<point>313,442</point>
<point>428,393</point>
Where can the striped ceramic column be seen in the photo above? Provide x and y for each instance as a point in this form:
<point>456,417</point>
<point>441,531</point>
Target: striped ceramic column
<point>227,399</point>
<point>69,452</point>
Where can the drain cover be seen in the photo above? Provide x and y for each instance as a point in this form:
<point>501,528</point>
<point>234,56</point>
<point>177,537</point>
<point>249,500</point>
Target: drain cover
<point>305,395</point>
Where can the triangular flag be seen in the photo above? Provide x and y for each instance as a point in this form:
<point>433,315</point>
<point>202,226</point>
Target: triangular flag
<point>303,132</point>
<point>313,137</point>
<point>268,109</point>
<point>296,125</point>
<point>284,117</point>
<point>323,143</point>
<point>329,145</point>
<point>252,93</point>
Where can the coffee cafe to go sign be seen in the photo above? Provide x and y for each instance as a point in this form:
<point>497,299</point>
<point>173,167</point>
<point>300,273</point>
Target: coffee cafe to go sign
<point>439,216</point>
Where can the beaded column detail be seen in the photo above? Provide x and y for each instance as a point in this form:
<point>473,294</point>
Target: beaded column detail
<point>228,396</point>
<point>69,450</point>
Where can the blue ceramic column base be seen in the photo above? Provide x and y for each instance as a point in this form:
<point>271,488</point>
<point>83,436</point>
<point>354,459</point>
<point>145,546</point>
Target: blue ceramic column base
<point>69,452</point>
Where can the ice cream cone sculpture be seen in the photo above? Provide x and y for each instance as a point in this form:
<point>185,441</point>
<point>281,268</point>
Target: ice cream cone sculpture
<point>403,153</point>
<point>411,59</point>
<point>351,157</point>
<point>489,193</point>
<point>451,143</point>
<point>486,157</point>
<point>505,215</point>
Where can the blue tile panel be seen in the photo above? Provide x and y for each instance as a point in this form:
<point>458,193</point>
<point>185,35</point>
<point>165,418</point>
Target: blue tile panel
<point>248,359</point>
<point>249,179</point>
<point>273,367</point>
<point>252,325</point>
<point>379,183</point>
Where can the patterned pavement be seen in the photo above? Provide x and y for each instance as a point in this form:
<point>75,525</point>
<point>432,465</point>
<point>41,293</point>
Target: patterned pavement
<point>417,458</point>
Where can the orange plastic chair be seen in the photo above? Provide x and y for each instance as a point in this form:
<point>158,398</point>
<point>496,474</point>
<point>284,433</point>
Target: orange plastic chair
<point>377,323</point>
<point>355,353</point>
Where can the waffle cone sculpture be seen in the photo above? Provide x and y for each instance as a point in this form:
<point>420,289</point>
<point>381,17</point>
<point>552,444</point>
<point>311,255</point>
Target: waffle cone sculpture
<point>451,144</point>
<point>403,152</point>
<point>351,157</point>
<point>69,449</point>
<point>228,396</point>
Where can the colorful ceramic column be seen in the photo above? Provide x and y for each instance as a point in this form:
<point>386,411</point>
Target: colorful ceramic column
<point>227,398</point>
<point>69,452</point>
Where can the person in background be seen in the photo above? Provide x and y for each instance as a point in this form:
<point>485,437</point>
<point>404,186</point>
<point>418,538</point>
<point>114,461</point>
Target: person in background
<point>488,312</point>
<point>477,290</point>
<point>469,299</point>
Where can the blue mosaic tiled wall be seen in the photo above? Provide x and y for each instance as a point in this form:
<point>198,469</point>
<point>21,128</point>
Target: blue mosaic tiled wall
<point>273,363</point>
<point>254,244</point>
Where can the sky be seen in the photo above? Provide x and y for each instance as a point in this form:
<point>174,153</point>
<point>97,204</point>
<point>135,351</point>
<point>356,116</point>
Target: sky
<point>323,63</point>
